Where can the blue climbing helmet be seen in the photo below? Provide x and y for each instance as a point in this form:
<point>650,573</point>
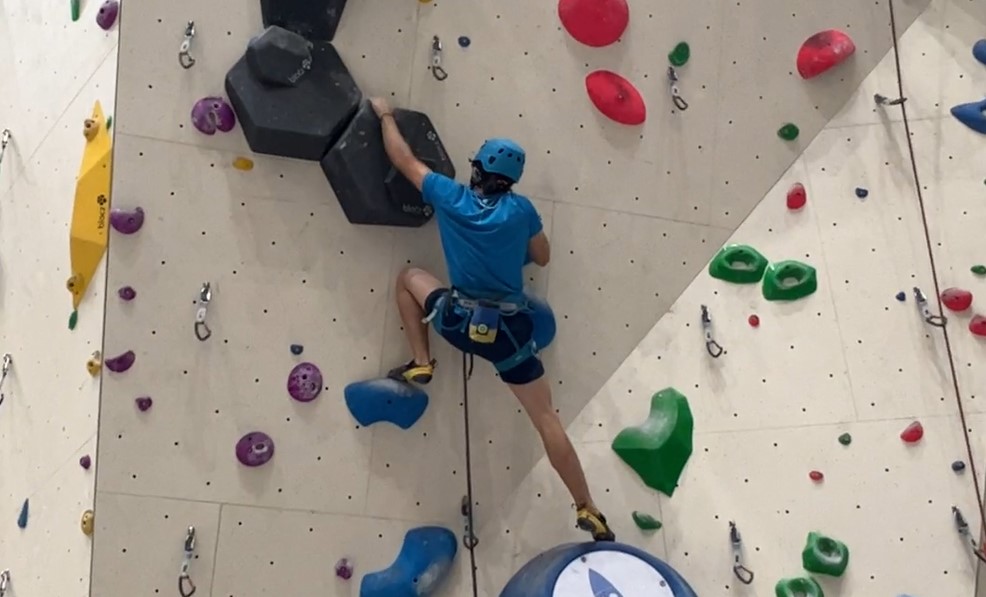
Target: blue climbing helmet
<point>503,157</point>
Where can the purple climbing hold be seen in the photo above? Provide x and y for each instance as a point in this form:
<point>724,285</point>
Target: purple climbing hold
<point>344,569</point>
<point>107,14</point>
<point>144,403</point>
<point>85,462</point>
<point>305,382</point>
<point>211,114</point>
<point>254,449</point>
<point>127,293</point>
<point>121,363</point>
<point>127,221</point>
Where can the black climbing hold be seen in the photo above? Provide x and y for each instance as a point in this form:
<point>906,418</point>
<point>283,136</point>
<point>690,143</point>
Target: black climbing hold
<point>862,193</point>
<point>295,122</point>
<point>958,466</point>
<point>901,296</point>
<point>297,349</point>
<point>316,20</point>
<point>464,41</point>
<point>369,188</point>
<point>279,57</point>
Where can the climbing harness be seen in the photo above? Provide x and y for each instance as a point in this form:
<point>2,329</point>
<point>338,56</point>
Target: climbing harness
<point>744,574</point>
<point>938,321</point>
<point>185,58</point>
<point>436,60</point>
<point>714,348</point>
<point>202,331</point>
<point>4,140</point>
<point>4,369</point>
<point>679,102</point>
<point>963,528</point>
<point>4,581</point>
<point>882,100</point>
<point>186,588</point>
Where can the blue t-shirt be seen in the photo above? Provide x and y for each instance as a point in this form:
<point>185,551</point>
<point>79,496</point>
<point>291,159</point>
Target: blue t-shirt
<point>485,245</point>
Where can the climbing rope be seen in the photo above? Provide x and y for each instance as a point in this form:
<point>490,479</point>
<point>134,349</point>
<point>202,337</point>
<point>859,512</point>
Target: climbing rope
<point>934,270</point>
<point>469,540</point>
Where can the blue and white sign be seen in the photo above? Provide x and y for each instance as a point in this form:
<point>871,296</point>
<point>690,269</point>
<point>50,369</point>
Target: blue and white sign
<point>611,574</point>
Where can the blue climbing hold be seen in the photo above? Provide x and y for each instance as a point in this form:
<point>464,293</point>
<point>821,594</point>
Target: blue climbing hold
<point>425,558</point>
<point>464,41</point>
<point>972,115</point>
<point>297,349</point>
<point>544,321</point>
<point>387,400</point>
<point>901,296</point>
<point>979,50</point>
<point>22,518</point>
<point>862,193</point>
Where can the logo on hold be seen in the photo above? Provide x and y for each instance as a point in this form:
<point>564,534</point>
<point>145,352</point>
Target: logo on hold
<point>600,585</point>
<point>101,201</point>
<point>431,135</point>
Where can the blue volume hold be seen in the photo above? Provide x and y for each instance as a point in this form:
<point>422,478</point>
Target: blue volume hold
<point>979,51</point>
<point>971,115</point>
<point>424,560</point>
<point>387,400</point>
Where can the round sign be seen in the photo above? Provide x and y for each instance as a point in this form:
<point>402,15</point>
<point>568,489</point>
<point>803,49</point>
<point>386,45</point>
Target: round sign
<point>610,574</point>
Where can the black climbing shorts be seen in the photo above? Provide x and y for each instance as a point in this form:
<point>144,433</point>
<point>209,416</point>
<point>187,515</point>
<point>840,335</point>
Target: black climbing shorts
<point>448,324</point>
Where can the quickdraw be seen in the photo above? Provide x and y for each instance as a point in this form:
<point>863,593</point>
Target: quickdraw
<point>714,349</point>
<point>186,588</point>
<point>185,58</point>
<point>4,141</point>
<point>202,331</point>
<point>436,60</point>
<point>963,528</point>
<point>882,100</point>
<point>679,102</point>
<point>4,581</point>
<point>469,538</point>
<point>4,369</point>
<point>938,321</point>
<point>742,573</point>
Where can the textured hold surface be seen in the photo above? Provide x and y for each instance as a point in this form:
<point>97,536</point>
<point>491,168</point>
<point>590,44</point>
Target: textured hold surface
<point>798,587</point>
<point>316,20</point>
<point>979,270</point>
<point>680,54</point>
<point>305,382</point>
<point>127,221</point>
<point>901,296</point>
<point>144,403</point>
<point>211,114</point>
<point>824,555</point>
<point>789,132</point>
<point>789,281</point>
<point>295,122</point>
<point>977,325</point>
<point>754,321</point>
<point>106,16</point>
<point>122,362</point>
<point>595,23</point>
<point>423,562</point>
<point>279,57</point>
<point>862,193</point>
<point>972,115</point>
<point>85,462</point>
<point>645,521</point>
<point>958,466</point>
<point>617,98</point>
<point>816,476</point>
<point>913,433</point>
<point>797,197</point>
<point>22,517</point>
<point>254,449</point>
<point>824,51</point>
<point>956,299</point>
<point>739,264</point>
<point>979,51</point>
<point>845,439</point>
<point>659,448</point>
<point>387,400</point>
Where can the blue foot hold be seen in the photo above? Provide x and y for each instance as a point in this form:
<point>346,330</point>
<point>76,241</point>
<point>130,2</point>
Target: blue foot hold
<point>424,560</point>
<point>979,51</point>
<point>544,321</point>
<point>386,400</point>
<point>22,518</point>
<point>972,115</point>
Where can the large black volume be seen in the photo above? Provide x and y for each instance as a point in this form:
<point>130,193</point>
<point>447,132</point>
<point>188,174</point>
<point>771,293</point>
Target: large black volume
<point>316,20</point>
<point>369,188</point>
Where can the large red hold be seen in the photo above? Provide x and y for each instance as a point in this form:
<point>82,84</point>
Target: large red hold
<point>595,23</point>
<point>913,433</point>
<point>956,299</point>
<point>823,51</point>
<point>616,97</point>
<point>978,326</point>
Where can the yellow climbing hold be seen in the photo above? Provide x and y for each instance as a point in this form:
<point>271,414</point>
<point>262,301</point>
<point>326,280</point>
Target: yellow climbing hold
<point>242,163</point>
<point>95,364</point>
<point>90,214</point>
<point>87,523</point>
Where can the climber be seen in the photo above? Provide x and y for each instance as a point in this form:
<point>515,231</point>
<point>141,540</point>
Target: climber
<point>488,234</point>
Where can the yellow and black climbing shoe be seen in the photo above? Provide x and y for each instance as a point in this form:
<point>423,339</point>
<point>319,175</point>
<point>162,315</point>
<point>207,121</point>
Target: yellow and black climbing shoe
<point>413,372</point>
<point>592,521</point>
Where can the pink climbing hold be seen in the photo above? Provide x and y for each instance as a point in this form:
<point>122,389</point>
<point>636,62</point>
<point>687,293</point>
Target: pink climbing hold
<point>616,97</point>
<point>978,326</point>
<point>913,433</point>
<point>595,23</point>
<point>816,476</point>
<point>956,299</point>
<point>797,197</point>
<point>754,321</point>
<point>823,51</point>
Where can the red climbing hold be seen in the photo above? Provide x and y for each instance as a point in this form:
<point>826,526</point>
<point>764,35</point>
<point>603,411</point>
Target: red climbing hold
<point>754,321</point>
<point>595,23</point>
<point>956,299</point>
<point>978,326</point>
<point>615,97</point>
<point>797,197</point>
<point>913,433</point>
<point>823,51</point>
<point>816,476</point>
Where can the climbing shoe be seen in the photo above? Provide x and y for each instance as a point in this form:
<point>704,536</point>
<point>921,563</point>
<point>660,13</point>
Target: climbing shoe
<point>592,521</point>
<point>413,372</point>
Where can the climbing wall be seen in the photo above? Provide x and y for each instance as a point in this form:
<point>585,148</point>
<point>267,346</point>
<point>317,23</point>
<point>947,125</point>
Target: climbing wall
<point>53,71</point>
<point>635,213</point>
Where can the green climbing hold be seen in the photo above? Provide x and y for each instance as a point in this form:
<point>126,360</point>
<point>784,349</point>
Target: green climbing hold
<point>73,319</point>
<point>824,555</point>
<point>75,10</point>
<point>109,122</point>
<point>680,54</point>
<point>739,264</point>
<point>789,132</point>
<point>845,439</point>
<point>798,587</point>
<point>789,280</point>
<point>979,270</point>
<point>659,448</point>
<point>646,522</point>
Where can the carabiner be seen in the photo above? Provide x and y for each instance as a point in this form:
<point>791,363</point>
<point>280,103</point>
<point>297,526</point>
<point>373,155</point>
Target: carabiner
<point>679,102</point>
<point>4,369</point>
<point>4,581</point>
<point>714,349</point>
<point>882,100</point>
<point>742,573</point>
<point>938,321</point>
<point>186,588</point>
<point>202,331</point>
<point>185,58</point>
<point>436,60</point>
<point>963,529</point>
<point>4,140</point>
